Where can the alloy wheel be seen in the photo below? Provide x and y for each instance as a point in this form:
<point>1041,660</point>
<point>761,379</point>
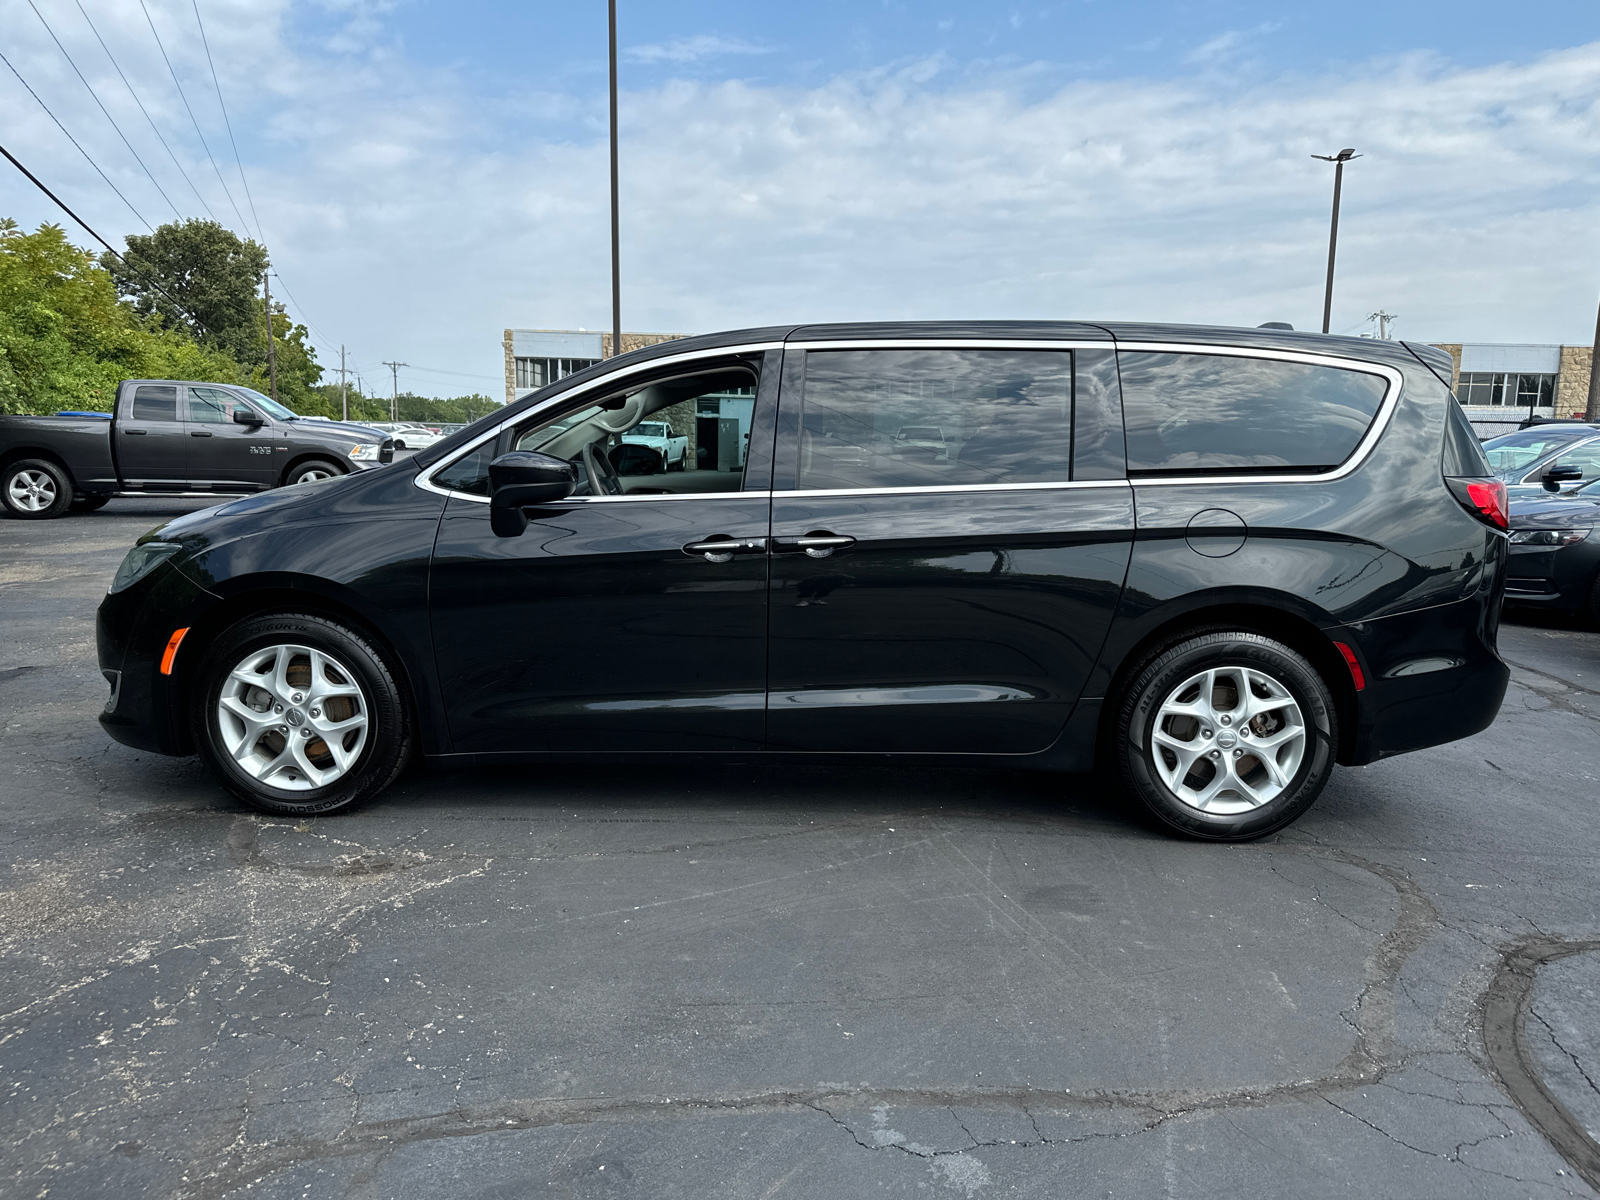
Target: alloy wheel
<point>31,491</point>
<point>293,717</point>
<point>1228,740</point>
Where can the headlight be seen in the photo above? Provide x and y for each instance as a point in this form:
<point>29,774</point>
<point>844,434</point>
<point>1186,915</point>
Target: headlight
<point>1548,537</point>
<point>140,562</point>
<point>365,452</point>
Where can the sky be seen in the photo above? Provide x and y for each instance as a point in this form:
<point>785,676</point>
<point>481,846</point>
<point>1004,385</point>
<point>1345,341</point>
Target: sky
<point>426,174</point>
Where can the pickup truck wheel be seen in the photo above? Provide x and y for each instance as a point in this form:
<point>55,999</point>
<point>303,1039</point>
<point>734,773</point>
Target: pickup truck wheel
<point>299,715</point>
<point>312,470</point>
<point>35,489</point>
<point>88,503</point>
<point>683,456</point>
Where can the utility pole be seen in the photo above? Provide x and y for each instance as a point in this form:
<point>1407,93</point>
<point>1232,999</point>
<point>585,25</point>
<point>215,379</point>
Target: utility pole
<point>616,220</point>
<point>344,387</point>
<point>272,347</point>
<point>394,403</point>
<point>1338,160</point>
<point>1383,319</point>
<point>1592,408</point>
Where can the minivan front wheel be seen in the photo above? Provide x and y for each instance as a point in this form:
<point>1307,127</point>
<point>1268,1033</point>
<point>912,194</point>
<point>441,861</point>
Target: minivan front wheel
<point>1225,736</point>
<point>300,715</point>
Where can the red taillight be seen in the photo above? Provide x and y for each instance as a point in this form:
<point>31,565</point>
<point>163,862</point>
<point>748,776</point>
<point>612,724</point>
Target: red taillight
<point>1356,676</point>
<point>1484,499</point>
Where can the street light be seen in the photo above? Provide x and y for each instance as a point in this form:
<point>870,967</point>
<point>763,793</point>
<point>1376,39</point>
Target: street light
<point>1338,160</point>
<point>616,239</point>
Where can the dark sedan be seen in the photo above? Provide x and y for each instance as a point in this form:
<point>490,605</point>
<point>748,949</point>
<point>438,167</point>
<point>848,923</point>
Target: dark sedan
<point>1555,552</point>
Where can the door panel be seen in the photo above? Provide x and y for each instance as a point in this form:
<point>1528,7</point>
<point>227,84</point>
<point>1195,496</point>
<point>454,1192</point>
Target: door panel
<point>594,630</point>
<point>956,622</point>
<point>223,454</point>
<point>152,442</point>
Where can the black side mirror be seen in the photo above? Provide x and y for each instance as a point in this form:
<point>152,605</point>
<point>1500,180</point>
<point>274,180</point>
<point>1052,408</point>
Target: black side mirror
<point>1556,476</point>
<point>524,479</point>
<point>245,416</point>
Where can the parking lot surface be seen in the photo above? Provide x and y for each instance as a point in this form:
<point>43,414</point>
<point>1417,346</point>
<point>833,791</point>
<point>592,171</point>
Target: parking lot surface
<point>765,982</point>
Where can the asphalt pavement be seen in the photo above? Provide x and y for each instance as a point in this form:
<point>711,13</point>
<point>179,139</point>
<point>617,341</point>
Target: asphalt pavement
<point>773,982</point>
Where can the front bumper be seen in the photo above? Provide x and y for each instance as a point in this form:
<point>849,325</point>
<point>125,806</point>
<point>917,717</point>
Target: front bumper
<point>131,632</point>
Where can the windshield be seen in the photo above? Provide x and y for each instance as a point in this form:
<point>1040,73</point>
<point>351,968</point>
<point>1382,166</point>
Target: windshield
<point>925,433</point>
<point>651,429</point>
<point>1510,452</point>
<point>274,409</point>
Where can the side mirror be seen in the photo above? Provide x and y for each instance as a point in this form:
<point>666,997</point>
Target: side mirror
<point>524,479</point>
<point>1556,476</point>
<point>245,416</point>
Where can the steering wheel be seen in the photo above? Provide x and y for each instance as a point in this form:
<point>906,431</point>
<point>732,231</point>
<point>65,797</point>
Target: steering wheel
<point>602,475</point>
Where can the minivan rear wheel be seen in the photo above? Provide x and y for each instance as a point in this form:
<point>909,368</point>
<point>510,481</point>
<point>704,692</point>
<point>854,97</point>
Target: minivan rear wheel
<point>300,715</point>
<point>1225,736</point>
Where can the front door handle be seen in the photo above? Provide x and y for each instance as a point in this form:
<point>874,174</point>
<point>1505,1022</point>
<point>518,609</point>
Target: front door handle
<point>199,433</point>
<point>133,432</point>
<point>818,544</point>
<point>722,549</point>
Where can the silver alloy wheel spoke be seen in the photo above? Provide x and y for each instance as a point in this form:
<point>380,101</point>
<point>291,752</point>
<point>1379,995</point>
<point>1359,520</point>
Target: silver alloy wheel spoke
<point>293,717</point>
<point>1221,720</point>
<point>32,491</point>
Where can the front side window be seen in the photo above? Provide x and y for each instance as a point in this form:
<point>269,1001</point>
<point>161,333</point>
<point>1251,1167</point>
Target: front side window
<point>920,418</point>
<point>155,402</point>
<point>1585,457</point>
<point>1510,452</point>
<point>1198,413</point>
<point>211,406</point>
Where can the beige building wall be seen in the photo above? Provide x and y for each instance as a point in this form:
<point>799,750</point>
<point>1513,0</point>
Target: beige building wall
<point>636,341</point>
<point>1572,385</point>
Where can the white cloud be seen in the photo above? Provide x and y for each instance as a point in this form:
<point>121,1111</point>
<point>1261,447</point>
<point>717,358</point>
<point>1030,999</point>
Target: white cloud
<point>416,219</point>
<point>692,49</point>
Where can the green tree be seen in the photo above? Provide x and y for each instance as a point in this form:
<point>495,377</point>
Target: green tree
<point>198,277</point>
<point>65,339</point>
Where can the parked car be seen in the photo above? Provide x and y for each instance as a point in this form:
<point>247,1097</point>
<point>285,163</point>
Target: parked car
<point>658,435</point>
<point>408,437</point>
<point>1213,561</point>
<point>165,436</point>
<point>1548,457</point>
<point>1555,552</point>
<point>925,441</point>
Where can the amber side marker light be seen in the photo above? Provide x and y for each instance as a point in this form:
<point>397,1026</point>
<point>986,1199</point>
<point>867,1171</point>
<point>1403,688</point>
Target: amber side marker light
<point>1356,675</point>
<point>171,652</point>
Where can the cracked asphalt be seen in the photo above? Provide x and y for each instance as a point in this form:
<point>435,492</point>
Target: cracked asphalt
<point>783,982</point>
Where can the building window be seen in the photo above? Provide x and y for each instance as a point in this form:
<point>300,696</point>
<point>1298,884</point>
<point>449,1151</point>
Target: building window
<point>537,372</point>
<point>1495,389</point>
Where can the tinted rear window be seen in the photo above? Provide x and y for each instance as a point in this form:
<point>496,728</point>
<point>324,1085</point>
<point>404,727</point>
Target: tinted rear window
<point>155,402</point>
<point>994,416</point>
<point>1198,413</point>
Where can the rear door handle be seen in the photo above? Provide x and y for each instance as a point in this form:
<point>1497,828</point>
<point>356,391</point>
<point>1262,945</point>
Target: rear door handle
<point>199,433</point>
<point>816,545</point>
<point>133,432</point>
<point>722,549</point>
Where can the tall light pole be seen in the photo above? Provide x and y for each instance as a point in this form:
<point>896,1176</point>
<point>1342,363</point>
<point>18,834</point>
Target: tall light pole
<point>616,220</point>
<point>1338,160</point>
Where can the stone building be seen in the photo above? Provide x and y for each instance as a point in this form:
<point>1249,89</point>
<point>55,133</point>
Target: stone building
<point>1500,384</point>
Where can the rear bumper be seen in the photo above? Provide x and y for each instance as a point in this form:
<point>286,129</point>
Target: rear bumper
<point>1432,676</point>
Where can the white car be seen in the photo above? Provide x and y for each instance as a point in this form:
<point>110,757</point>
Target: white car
<point>922,441</point>
<point>658,435</point>
<point>408,437</point>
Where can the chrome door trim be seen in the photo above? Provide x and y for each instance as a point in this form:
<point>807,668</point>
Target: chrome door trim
<point>927,489</point>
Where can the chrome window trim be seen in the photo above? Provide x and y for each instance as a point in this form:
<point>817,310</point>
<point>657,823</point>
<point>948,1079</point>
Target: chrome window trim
<point>1536,474</point>
<point>1364,448</point>
<point>605,382</point>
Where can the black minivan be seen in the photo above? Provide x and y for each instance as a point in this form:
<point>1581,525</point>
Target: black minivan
<point>1212,561</point>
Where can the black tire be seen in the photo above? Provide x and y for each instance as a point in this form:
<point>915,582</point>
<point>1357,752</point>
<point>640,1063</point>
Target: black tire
<point>42,489</point>
<point>1594,600</point>
<point>88,504</point>
<point>316,468</point>
<point>1164,676</point>
<point>377,761</point>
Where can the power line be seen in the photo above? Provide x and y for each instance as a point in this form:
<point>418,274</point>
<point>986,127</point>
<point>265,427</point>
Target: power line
<point>229,124</point>
<point>153,127</point>
<point>81,150</point>
<point>190,110</point>
<point>103,109</point>
<point>38,183</point>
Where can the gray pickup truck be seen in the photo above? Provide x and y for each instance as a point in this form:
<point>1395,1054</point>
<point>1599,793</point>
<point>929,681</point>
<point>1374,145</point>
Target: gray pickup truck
<point>173,437</point>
